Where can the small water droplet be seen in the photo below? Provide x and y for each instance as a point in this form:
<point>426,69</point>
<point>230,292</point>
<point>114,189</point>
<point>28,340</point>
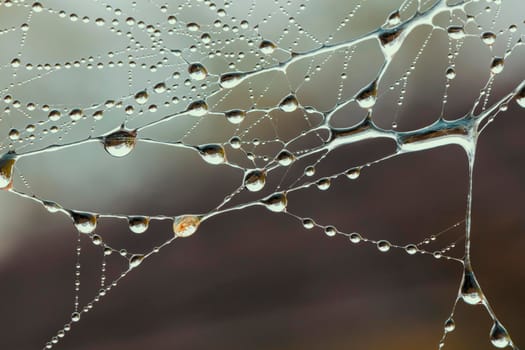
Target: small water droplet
<point>499,337</point>
<point>235,116</point>
<point>75,317</point>
<point>289,104</point>
<point>120,143</point>
<point>267,47</point>
<point>470,289</point>
<point>197,71</point>
<point>51,207</point>
<point>394,18</point>
<point>141,97</point>
<point>138,224</point>
<point>383,246</point>
<point>7,163</point>
<point>450,325</point>
<point>185,225</point>
<point>411,249</point>
<point>76,114</point>
<point>96,239</point>
<point>330,231</point>
<point>193,27</point>
<point>366,98</point>
<point>520,97</point>
<point>197,108</point>
<point>488,38</point>
<point>450,73</point>
<point>285,158</point>
<point>231,80</point>
<point>84,222</point>
<point>309,170</point>
<point>254,180</point>
<point>323,184</point>
<point>14,134</point>
<point>353,173</point>
<point>497,65</point>
<point>308,224</point>
<point>212,153</point>
<point>355,237</point>
<point>456,32</point>
<point>276,202</point>
<point>135,260</point>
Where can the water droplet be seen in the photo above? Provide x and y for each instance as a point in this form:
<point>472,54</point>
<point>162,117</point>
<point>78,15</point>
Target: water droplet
<point>323,184</point>
<point>355,237</point>
<point>135,260</point>
<point>499,337</point>
<point>488,38</point>
<point>193,27</point>
<point>235,142</point>
<point>51,207</point>
<point>160,88</point>
<point>394,18</point>
<point>37,7</point>
<point>450,73</point>
<point>84,222</point>
<point>231,80</point>
<point>235,116</point>
<point>497,65</point>
<point>138,224</point>
<point>520,97</point>
<point>75,317</point>
<point>309,170</point>
<point>197,71</point>
<point>450,325</point>
<point>353,174</point>
<point>470,289</point>
<point>185,225</point>
<point>383,246</point>
<point>197,108</point>
<point>120,143</point>
<point>254,180</point>
<point>96,239</point>
<point>289,104</point>
<point>366,98</point>
<point>308,224</point>
<point>7,162</point>
<point>212,153</point>
<point>330,231</point>
<point>54,115</point>
<point>411,249</point>
<point>141,97</point>
<point>267,47</point>
<point>285,158</point>
<point>76,114</point>
<point>276,202</point>
<point>456,32</point>
<point>14,134</point>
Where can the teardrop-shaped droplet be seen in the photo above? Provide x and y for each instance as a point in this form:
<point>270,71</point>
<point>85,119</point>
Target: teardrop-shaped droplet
<point>197,108</point>
<point>394,18</point>
<point>383,246</point>
<point>520,97</point>
<point>276,202</point>
<point>456,32</point>
<point>231,80</point>
<point>499,337</point>
<point>488,38</point>
<point>135,260</point>
<point>366,98</point>
<point>353,173</point>
<point>185,225</point>
<point>323,184</point>
<point>84,222</point>
<point>289,104</point>
<point>197,71</point>
<point>120,143</point>
<point>51,207</point>
<point>7,163</point>
<point>138,224</point>
<point>285,158</point>
<point>497,65</point>
<point>308,224</point>
<point>411,249</point>
<point>470,289</point>
<point>450,325</point>
<point>267,47</point>
<point>141,97</point>
<point>254,180</point>
<point>235,116</point>
<point>212,153</point>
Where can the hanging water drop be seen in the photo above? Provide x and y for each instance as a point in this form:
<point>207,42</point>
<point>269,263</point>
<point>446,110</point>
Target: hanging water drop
<point>308,224</point>
<point>84,222</point>
<point>330,231</point>
<point>51,207</point>
<point>197,108</point>
<point>7,163</point>
<point>394,18</point>
<point>323,184</point>
<point>520,97</point>
<point>135,260</point>
<point>450,325</point>
<point>411,249</point>
<point>450,73</point>
<point>141,97</point>
<point>254,180</point>
<point>138,224</point>
<point>353,173</point>
<point>470,289</point>
<point>212,153</point>
<point>185,225</point>
<point>497,65</point>
<point>231,80</point>
<point>120,143</point>
<point>285,158</point>
<point>75,317</point>
<point>499,337</point>
<point>96,239</point>
<point>488,38</point>
<point>366,98</point>
<point>456,32</point>
<point>289,104</point>
<point>355,237</point>
<point>197,71</point>
<point>267,47</point>
<point>383,246</point>
<point>276,202</point>
<point>235,116</point>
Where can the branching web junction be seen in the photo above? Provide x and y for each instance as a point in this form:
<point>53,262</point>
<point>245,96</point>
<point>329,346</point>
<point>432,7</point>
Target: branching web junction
<point>265,91</point>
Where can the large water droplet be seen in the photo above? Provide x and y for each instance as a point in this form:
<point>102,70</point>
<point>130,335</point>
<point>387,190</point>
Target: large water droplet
<point>141,97</point>
<point>197,108</point>
<point>267,47</point>
<point>212,153</point>
<point>75,317</point>
<point>285,158</point>
<point>497,65</point>
<point>120,143</point>
<point>450,325</point>
<point>138,224</point>
<point>383,246</point>
<point>456,32</point>
<point>84,222</point>
<point>254,180</point>
<point>520,97</point>
<point>470,289</point>
<point>197,71</point>
<point>231,80</point>
<point>7,162</point>
<point>499,337</point>
<point>135,260</point>
<point>366,98</point>
<point>185,225</point>
<point>488,38</point>
<point>235,116</point>
<point>289,104</point>
<point>411,249</point>
<point>276,202</point>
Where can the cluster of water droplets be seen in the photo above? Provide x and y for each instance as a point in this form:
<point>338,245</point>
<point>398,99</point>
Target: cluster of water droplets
<point>231,55</point>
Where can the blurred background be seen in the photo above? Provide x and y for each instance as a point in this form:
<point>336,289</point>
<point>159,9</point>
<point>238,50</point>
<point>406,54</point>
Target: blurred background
<point>252,278</point>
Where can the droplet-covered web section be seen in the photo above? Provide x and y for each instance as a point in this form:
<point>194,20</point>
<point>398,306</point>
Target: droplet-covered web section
<point>264,90</point>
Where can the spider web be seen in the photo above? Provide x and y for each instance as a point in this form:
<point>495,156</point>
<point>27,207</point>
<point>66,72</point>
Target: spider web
<point>266,104</point>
